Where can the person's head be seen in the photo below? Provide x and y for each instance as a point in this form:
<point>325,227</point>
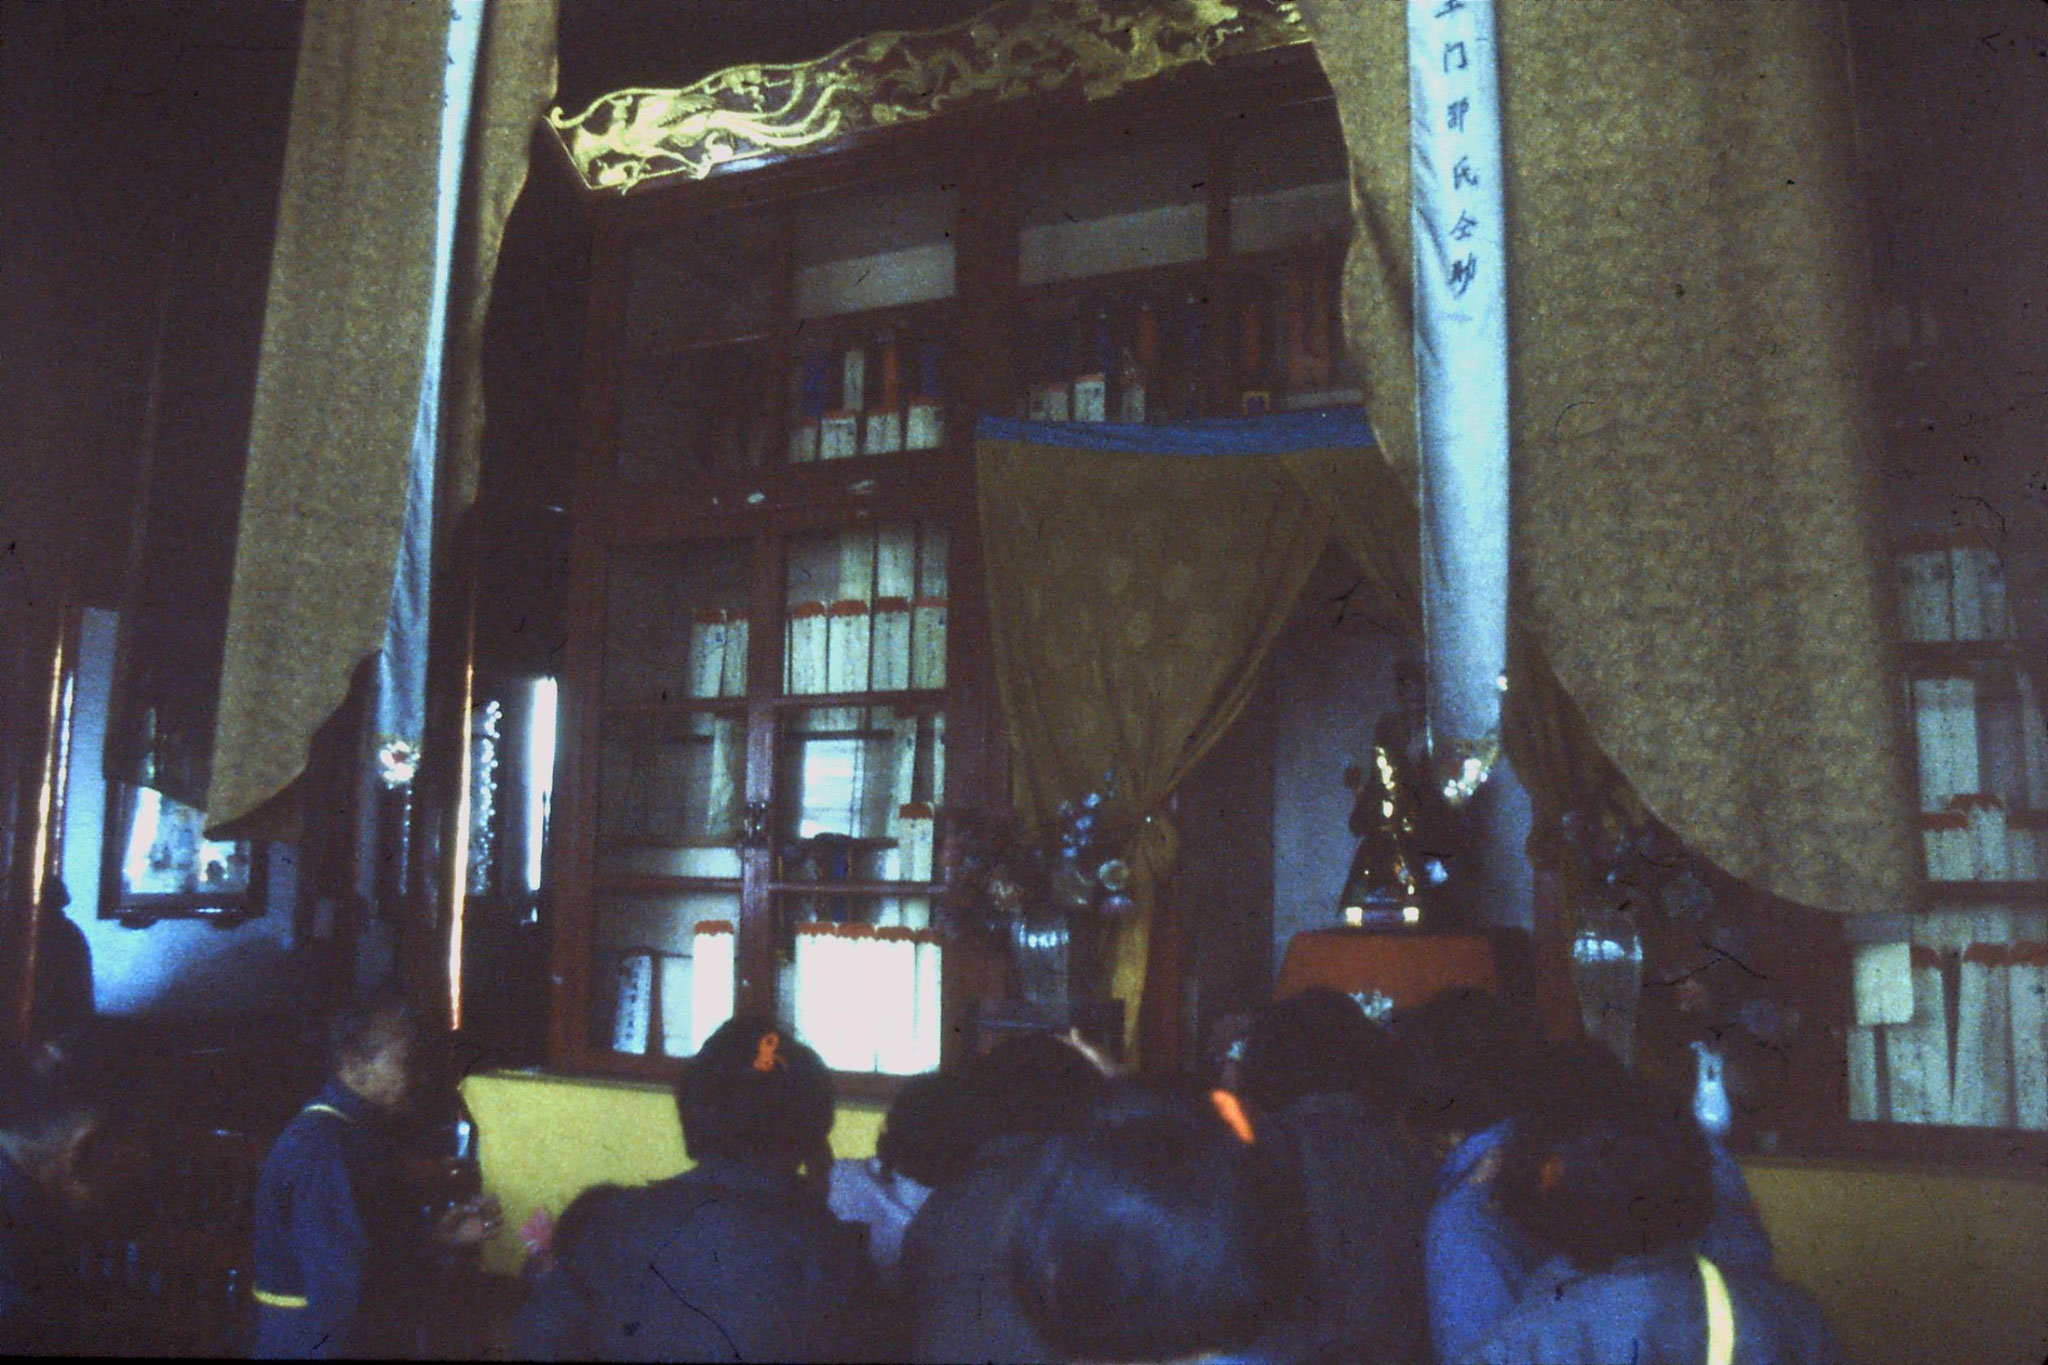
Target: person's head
<point>1318,1042</point>
<point>1154,1232</point>
<point>551,1241</point>
<point>754,1093</point>
<point>1598,1181</point>
<point>927,1136</point>
<point>1577,1073</point>
<point>53,1115</point>
<point>1036,1083</point>
<point>1466,1061</point>
<point>371,1048</point>
<point>580,1215</point>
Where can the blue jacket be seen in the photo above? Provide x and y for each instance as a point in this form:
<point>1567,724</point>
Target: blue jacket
<point>1366,1194</point>
<point>341,1246</point>
<point>1477,1260</point>
<point>730,1261</point>
<point>31,1291</point>
<point>1653,1308</point>
<point>953,1273</point>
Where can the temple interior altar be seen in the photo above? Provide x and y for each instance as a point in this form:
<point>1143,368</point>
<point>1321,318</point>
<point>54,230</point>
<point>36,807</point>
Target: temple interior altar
<point>927,528</point>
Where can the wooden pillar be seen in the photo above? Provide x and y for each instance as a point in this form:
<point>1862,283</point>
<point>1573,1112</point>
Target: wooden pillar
<point>1161,1012</point>
<point>982,377</point>
<point>34,721</point>
<point>1559,882</point>
<point>438,861</point>
<point>1160,1033</point>
<point>1557,1003</point>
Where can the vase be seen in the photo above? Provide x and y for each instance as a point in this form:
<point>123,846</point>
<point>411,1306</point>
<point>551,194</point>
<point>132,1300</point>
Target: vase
<point>1607,972</point>
<point>1040,954</point>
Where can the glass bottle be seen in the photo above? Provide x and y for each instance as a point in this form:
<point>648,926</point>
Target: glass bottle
<point>1607,972</point>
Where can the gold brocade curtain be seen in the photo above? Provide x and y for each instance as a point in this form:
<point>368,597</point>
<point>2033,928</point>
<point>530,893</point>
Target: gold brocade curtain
<point>1133,600</point>
<point>1695,542</point>
<point>344,338</point>
<point>515,87</point>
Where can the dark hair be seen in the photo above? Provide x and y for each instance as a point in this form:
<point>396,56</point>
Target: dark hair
<point>927,1136</point>
<point>1466,1060</point>
<point>1577,1073</point>
<point>47,1093</point>
<point>1152,1232</point>
<point>1598,1181</point>
<point>576,1220</point>
<point>754,1092</point>
<point>358,1031</point>
<point>1318,1042</point>
<point>1034,1083</point>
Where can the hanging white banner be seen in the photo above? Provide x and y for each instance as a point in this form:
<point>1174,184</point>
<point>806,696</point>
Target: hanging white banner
<point>401,702</point>
<point>1461,367</point>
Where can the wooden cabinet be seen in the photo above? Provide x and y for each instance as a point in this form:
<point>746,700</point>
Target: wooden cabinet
<point>1950,1031</point>
<point>757,718</point>
<point>1980,748</point>
<point>777,681</point>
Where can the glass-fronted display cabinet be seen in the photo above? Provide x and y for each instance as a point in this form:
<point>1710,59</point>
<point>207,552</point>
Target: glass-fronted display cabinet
<point>758,682</point>
<point>839,840</point>
<point>777,690</point>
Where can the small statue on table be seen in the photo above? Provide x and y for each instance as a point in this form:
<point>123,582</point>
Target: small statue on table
<point>1405,827</point>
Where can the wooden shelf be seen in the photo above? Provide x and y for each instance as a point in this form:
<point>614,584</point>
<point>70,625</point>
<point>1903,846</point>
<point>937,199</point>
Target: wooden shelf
<point>857,888</point>
<point>679,706</point>
<point>1915,1146</point>
<point>709,500</point>
<point>910,316</point>
<point>869,736</point>
<point>1332,249</point>
<point>674,844</point>
<point>922,699</point>
<point>645,884</point>
<point>1150,278</point>
<point>1940,658</point>
<point>698,345</point>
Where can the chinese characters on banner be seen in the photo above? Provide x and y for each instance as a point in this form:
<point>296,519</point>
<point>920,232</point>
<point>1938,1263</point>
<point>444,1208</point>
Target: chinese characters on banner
<point>1461,364</point>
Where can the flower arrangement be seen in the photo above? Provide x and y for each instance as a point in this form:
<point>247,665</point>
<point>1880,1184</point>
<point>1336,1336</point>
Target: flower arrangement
<point>1699,933</point>
<point>997,871</point>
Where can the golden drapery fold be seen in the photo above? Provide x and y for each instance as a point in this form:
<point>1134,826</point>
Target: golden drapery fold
<point>344,339</point>
<point>515,76</point>
<point>1695,538</point>
<point>1133,600</point>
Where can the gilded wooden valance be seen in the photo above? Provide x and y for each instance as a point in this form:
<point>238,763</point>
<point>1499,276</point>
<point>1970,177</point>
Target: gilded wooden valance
<point>1019,48</point>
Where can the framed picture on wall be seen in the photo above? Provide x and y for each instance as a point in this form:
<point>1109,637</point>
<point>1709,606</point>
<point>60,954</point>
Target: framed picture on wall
<point>157,863</point>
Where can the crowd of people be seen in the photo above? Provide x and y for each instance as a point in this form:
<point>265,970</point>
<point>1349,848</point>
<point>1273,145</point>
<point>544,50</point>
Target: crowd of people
<point>1442,1187</point>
